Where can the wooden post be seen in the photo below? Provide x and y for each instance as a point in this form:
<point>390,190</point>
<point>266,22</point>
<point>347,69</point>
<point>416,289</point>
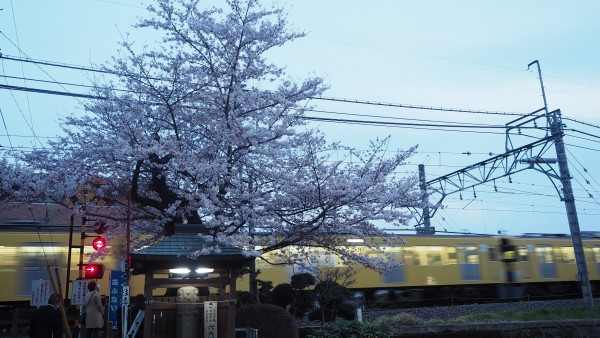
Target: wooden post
<point>15,324</point>
<point>148,306</point>
<point>231,303</point>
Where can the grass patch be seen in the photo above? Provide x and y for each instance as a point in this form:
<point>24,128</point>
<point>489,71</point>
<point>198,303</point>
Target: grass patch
<point>559,313</point>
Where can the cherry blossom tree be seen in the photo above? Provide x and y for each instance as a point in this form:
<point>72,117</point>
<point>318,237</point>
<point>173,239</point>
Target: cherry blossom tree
<point>201,129</point>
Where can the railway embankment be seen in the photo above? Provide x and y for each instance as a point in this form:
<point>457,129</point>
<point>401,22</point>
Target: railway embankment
<point>441,321</point>
<point>563,328</point>
<point>446,321</point>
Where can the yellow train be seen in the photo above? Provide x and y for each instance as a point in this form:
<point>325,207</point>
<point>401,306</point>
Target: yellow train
<point>429,266</point>
<point>471,266</point>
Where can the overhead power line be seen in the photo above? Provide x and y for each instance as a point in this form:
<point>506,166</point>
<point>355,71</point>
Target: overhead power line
<point>410,106</point>
<point>342,100</point>
<point>51,92</point>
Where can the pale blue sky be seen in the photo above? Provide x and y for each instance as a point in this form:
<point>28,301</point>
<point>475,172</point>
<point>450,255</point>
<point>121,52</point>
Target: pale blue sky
<point>454,54</point>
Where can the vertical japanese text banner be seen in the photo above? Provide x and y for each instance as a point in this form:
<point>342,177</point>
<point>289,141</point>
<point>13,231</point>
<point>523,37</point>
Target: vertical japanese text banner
<point>210,319</point>
<point>116,288</point>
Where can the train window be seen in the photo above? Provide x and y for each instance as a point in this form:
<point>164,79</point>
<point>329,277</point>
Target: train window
<point>412,256</point>
<point>523,254</point>
<point>468,254</point>
<point>8,258</point>
<point>427,255</point>
<point>544,254</point>
<point>452,257</point>
<point>565,254</point>
<point>596,253</point>
<point>39,255</point>
<point>396,254</point>
<point>434,256</point>
<point>408,256</point>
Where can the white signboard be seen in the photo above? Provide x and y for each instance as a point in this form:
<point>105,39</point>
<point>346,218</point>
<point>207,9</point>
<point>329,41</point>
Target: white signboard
<point>79,291</point>
<point>126,295</point>
<point>40,292</point>
<point>136,324</point>
<point>210,319</point>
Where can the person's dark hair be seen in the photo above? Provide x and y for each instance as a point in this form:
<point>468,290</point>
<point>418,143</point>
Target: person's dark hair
<point>92,286</point>
<point>54,299</point>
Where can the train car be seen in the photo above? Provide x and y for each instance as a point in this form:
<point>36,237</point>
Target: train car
<point>468,266</point>
<point>428,266</point>
<point>26,252</point>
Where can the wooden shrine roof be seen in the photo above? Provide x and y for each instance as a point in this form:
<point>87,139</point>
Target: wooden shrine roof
<point>175,250</point>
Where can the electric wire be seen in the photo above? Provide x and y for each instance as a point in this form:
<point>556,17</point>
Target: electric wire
<point>579,121</point>
<point>582,166</point>
<point>62,83</point>
<point>17,103</point>
<point>22,68</point>
<point>29,207</point>
<point>396,118</point>
<point>6,128</point>
<point>582,147</point>
<point>587,181</point>
<point>343,100</point>
<point>583,138</point>
<point>411,106</point>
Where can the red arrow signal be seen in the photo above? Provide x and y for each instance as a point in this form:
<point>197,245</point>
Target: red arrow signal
<point>94,271</point>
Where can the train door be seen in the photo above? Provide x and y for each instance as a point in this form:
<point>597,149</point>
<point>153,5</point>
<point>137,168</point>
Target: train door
<point>523,271</point>
<point>546,261</point>
<point>468,260</point>
<point>396,274</point>
<point>596,255</point>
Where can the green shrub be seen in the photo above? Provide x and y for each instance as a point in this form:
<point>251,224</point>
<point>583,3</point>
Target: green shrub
<point>330,293</point>
<point>346,311</point>
<point>317,315</point>
<point>401,319</point>
<point>305,301</point>
<point>243,298</point>
<point>347,329</point>
<point>436,321</point>
<point>301,281</point>
<point>282,295</point>
<point>272,320</point>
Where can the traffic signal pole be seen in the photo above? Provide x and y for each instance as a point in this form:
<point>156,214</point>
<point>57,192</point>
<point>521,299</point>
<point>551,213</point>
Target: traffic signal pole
<point>82,243</point>
<point>71,226</point>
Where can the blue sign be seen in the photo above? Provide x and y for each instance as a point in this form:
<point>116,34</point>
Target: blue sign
<point>116,287</point>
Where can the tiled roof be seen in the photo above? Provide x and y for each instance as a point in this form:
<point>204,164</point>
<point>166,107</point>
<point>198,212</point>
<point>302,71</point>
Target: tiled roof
<point>179,246</point>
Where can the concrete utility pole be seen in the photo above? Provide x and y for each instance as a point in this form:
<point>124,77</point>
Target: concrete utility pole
<point>554,122</point>
<point>556,129</point>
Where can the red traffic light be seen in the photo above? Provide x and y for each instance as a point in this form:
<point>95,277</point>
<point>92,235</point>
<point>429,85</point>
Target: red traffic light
<point>98,243</point>
<point>94,271</point>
